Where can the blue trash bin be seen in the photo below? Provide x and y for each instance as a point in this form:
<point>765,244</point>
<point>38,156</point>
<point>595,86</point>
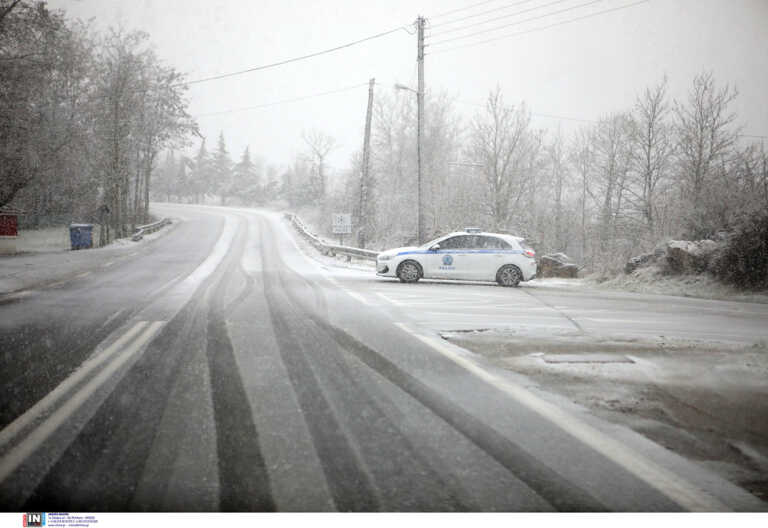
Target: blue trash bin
<point>81,236</point>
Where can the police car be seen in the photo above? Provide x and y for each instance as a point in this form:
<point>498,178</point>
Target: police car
<point>463,255</point>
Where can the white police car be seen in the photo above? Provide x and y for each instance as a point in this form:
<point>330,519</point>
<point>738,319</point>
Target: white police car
<point>464,255</point>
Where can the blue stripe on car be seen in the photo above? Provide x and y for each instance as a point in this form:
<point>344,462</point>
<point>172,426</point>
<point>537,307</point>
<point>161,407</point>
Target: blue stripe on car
<point>443,252</point>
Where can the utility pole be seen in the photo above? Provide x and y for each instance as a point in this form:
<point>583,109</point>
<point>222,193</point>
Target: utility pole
<point>420,131</point>
<point>364,174</point>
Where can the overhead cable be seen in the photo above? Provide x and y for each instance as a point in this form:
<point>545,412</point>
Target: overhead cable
<point>284,101</point>
<point>294,59</point>
<point>535,114</point>
<point>531,19</point>
<point>467,17</point>
<point>444,13</point>
<point>541,28</point>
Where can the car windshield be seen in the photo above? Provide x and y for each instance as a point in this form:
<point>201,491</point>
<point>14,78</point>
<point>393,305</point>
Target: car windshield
<point>432,242</point>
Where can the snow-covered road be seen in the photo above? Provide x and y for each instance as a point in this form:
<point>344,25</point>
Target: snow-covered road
<point>555,307</point>
<point>228,371</point>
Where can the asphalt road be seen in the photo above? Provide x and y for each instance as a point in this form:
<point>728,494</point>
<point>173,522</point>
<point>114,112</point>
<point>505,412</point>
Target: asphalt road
<point>219,368</point>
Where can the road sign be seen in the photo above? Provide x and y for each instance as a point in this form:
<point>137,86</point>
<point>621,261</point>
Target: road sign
<point>341,223</point>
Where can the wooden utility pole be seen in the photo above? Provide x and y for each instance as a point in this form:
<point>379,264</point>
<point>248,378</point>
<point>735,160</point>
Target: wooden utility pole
<point>420,131</point>
<point>362,222</point>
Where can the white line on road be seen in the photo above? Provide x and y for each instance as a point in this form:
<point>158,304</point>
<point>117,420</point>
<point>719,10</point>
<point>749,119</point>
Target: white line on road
<point>349,292</point>
<point>669,484</point>
<point>40,434</point>
<point>38,409</point>
<point>389,299</point>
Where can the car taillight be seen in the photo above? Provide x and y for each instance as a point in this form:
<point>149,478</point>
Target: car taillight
<point>529,253</point>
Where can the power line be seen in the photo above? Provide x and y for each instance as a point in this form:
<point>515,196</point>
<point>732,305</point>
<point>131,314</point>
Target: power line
<point>294,59</point>
<point>536,114</point>
<point>481,22</point>
<point>283,101</point>
<point>542,28</point>
<point>462,9</point>
<point>566,118</point>
<point>467,17</point>
<point>487,30</point>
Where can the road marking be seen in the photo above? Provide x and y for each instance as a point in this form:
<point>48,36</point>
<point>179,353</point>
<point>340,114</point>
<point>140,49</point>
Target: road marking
<point>389,299</point>
<point>349,292</point>
<point>107,264</point>
<point>81,275</point>
<point>37,410</point>
<point>123,349</point>
<point>13,296</point>
<point>217,254</point>
<point>666,482</point>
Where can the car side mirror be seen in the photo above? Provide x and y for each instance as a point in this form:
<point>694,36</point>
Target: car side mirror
<point>435,247</point>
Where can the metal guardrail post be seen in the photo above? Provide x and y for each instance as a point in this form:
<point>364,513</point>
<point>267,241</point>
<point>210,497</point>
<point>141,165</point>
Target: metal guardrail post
<point>148,228</point>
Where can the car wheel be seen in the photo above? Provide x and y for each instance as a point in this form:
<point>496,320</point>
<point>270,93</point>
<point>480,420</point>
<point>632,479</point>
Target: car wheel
<point>409,271</point>
<point>509,276</point>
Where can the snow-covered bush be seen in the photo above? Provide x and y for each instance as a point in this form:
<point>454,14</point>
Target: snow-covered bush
<point>744,262</point>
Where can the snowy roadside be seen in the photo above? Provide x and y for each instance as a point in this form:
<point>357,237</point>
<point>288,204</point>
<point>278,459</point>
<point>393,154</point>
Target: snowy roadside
<point>36,269</point>
<point>651,280</point>
<point>338,261</point>
<point>648,280</point>
<point>704,400</point>
<point>707,401</point>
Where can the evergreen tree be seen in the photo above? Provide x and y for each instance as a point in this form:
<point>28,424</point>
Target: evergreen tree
<point>164,184</point>
<point>221,170</point>
<point>183,184</point>
<point>201,181</point>
<point>246,180</point>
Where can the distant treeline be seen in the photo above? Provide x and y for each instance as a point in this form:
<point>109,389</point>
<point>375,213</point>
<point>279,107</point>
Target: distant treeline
<point>662,169</point>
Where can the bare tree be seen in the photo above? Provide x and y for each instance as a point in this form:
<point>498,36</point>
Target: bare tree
<point>613,157</point>
<point>556,157</point>
<point>320,145</point>
<point>706,134</point>
<point>652,152</point>
<point>501,139</point>
<point>582,157</point>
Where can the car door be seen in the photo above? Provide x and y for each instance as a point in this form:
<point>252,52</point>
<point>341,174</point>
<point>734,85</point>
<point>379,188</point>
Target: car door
<point>490,255</point>
<point>453,257</point>
<point>478,258</point>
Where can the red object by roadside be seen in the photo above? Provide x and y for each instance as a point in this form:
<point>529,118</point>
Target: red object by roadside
<point>9,225</point>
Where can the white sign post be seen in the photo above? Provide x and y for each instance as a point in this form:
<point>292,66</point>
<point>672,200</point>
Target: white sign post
<point>341,224</point>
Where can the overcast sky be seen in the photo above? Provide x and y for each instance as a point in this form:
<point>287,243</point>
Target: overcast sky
<point>576,70</point>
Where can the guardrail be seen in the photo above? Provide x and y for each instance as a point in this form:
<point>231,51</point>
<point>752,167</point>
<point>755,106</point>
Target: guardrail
<point>149,228</point>
<point>329,249</point>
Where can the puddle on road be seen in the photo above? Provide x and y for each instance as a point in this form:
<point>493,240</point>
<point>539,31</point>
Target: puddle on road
<point>704,400</point>
<point>585,358</point>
